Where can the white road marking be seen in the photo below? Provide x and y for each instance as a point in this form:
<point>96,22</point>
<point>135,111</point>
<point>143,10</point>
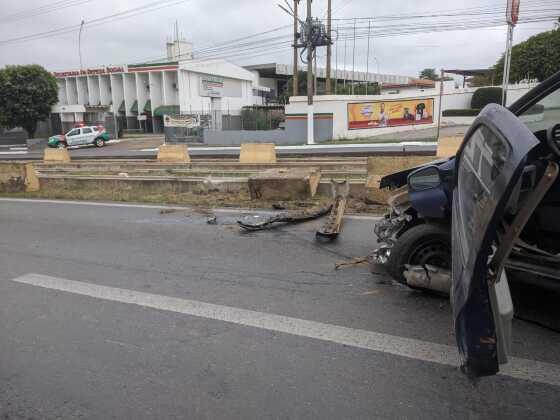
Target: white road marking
<point>156,207</point>
<point>524,369</point>
<point>18,148</point>
<point>19,152</point>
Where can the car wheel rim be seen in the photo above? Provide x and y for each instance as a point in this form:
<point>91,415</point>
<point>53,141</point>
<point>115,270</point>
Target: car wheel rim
<point>434,253</point>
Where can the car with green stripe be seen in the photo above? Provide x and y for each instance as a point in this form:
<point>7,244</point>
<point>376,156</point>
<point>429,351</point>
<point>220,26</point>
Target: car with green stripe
<point>81,136</point>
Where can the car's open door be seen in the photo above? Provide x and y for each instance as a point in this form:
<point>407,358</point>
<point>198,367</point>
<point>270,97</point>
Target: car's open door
<point>490,165</point>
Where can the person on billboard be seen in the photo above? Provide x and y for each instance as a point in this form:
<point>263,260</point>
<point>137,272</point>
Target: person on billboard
<point>382,116</point>
<point>407,115</point>
<point>420,111</point>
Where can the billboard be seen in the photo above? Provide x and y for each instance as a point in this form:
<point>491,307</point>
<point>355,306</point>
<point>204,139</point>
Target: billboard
<point>392,113</point>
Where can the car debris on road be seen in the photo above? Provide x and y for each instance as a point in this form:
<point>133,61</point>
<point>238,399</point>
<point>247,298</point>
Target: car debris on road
<point>253,223</point>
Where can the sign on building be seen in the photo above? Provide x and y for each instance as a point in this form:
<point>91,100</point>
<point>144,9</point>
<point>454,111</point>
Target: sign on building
<point>211,86</point>
<point>391,113</point>
<point>185,121</point>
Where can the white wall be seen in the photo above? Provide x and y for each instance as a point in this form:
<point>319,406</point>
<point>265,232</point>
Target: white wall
<point>105,90</point>
<point>156,89</point>
<point>62,95</point>
<point>117,91</point>
<point>93,90</point>
<point>237,94</point>
<point>83,94</point>
<point>71,91</point>
<point>142,91</point>
<point>129,82</point>
<point>170,88</point>
<point>338,106</point>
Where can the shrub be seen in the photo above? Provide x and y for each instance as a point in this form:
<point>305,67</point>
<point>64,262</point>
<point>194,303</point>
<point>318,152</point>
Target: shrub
<point>485,96</point>
<point>468,112</point>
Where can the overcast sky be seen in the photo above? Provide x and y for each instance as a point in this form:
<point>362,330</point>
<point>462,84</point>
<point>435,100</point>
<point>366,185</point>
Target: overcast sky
<point>206,22</point>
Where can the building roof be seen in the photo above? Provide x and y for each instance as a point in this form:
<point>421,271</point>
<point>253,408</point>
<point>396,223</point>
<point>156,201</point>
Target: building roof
<point>470,72</point>
<point>217,67</point>
<point>285,71</point>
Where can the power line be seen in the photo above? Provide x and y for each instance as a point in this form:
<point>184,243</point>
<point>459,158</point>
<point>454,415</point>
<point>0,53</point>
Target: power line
<point>150,7</point>
<point>48,8</point>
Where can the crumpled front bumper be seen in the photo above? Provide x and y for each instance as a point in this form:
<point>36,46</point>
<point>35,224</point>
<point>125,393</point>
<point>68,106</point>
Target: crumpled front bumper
<point>386,230</point>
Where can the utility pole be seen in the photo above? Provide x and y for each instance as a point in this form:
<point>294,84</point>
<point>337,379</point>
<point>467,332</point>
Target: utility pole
<point>295,80</point>
<point>310,128</point>
<point>329,50</point>
<point>315,73</point>
<point>336,67</point>
<point>344,81</point>
<point>80,43</point>
<point>440,102</point>
<point>354,58</point>
<point>367,55</point>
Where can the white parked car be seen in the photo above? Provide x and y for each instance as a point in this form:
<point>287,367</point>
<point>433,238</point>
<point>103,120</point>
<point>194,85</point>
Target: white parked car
<point>80,136</point>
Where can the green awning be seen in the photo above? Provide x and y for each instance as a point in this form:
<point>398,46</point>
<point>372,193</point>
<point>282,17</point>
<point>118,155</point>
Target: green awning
<point>134,107</point>
<point>122,108</point>
<point>162,110</point>
<point>148,106</point>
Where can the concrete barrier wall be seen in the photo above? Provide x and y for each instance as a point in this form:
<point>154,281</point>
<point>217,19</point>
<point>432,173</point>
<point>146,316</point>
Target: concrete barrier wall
<point>236,138</point>
<point>17,177</point>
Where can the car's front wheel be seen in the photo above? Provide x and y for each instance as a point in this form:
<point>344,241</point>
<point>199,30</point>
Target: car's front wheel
<point>61,145</point>
<point>425,244</point>
<point>99,142</point>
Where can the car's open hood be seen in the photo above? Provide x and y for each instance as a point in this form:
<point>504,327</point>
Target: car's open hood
<point>489,165</point>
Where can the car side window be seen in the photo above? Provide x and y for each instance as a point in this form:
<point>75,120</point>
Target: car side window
<point>483,158</point>
<point>74,132</point>
<point>86,130</point>
<point>544,114</point>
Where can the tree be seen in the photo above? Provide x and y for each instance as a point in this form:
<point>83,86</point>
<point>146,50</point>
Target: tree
<point>536,58</point>
<point>429,74</point>
<point>27,94</point>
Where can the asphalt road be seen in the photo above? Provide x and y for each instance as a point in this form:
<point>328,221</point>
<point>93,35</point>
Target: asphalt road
<point>162,316</point>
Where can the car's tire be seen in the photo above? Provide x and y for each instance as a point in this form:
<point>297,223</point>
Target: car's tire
<point>61,145</point>
<point>427,243</point>
<point>99,142</point>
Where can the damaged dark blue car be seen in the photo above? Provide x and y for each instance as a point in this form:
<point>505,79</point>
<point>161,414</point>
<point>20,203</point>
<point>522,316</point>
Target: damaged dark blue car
<point>469,224</point>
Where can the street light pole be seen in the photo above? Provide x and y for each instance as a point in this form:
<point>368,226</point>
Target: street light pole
<point>367,55</point>
<point>354,58</point>
<point>507,64</point>
<point>80,43</point>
